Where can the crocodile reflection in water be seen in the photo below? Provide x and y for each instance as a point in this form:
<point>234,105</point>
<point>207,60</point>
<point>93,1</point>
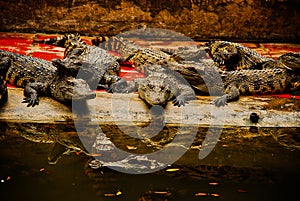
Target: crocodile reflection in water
<point>63,137</point>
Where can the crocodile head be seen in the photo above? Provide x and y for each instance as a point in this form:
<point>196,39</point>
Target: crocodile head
<point>66,89</point>
<point>222,51</point>
<point>155,91</point>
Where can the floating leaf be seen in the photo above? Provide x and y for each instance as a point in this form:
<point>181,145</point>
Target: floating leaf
<point>162,192</point>
<point>241,191</point>
<point>118,193</point>
<point>172,169</point>
<point>109,194</point>
<point>131,147</point>
<point>201,194</point>
<point>215,195</point>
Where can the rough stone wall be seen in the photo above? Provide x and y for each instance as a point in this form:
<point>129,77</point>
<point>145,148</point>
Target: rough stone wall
<point>245,20</point>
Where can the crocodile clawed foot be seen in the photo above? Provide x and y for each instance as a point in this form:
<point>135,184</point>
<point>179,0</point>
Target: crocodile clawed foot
<point>179,101</point>
<point>31,101</point>
<point>118,87</point>
<point>220,101</point>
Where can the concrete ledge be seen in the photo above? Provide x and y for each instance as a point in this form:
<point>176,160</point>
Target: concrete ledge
<point>128,108</point>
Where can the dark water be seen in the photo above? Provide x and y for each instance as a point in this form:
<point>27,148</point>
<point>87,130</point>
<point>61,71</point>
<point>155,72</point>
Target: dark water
<point>246,164</point>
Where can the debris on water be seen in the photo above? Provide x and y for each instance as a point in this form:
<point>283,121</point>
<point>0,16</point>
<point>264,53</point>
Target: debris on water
<point>241,191</point>
<point>8,178</point>
<point>117,193</point>
<point>109,194</point>
<point>215,195</point>
<point>156,195</point>
<point>131,147</point>
<point>172,169</point>
<point>201,194</point>
<point>166,193</point>
<point>213,183</point>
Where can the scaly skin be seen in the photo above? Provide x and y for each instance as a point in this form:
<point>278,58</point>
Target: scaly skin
<point>3,91</point>
<point>291,60</point>
<point>250,82</point>
<point>40,78</point>
<point>233,56</point>
<point>138,56</point>
<point>207,78</point>
<point>160,86</point>
<point>187,53</point>
<point>90,63</point>
<point>4,65</point>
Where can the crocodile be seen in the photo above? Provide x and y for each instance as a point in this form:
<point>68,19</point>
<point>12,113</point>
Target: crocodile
<point>207,78</point>
<point>250,82</point>
<point>39,77</point>
<point>233,56</point>
<point>160,86</point>
<point>204,75</point>
<point>138,56</point>
<point>90,63</point>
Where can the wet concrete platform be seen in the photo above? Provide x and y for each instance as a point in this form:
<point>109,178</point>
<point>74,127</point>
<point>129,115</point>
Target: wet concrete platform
<point>129,108</point>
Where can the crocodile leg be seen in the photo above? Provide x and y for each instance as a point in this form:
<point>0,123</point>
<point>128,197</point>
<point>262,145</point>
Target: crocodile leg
<point>114,82</point>
<point>32,91</point>
<point>132,86</point>
<point>231,93</point>
<point>186,93</point>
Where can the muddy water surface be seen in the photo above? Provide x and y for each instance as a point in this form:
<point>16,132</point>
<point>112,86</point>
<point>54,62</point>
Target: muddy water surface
<point>48,162</point>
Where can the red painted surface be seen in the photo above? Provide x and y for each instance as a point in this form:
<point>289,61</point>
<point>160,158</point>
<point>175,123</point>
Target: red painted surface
<point>23,44</point>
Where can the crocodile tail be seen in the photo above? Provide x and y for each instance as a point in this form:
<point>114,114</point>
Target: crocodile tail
<point>99,39</point>
<point>118,44</point>
<point>61,41</point>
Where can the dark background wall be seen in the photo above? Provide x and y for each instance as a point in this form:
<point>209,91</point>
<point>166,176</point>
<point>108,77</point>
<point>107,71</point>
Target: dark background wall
<point>244,20</point>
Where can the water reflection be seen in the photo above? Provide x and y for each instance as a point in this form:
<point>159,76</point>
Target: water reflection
<point>247,164</point>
